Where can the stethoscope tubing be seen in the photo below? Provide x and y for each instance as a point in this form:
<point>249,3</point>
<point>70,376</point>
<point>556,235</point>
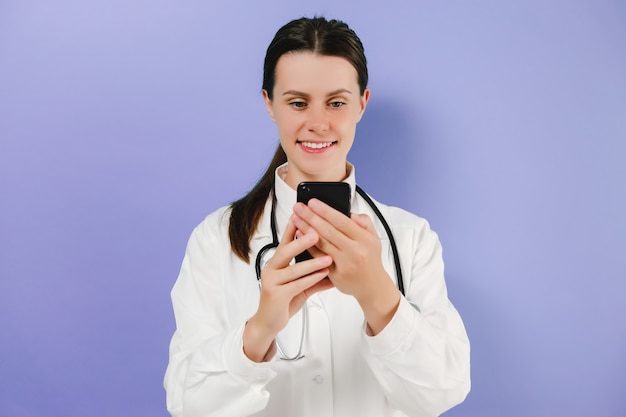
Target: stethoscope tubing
<point>273,245</point>
<point>392,241</point>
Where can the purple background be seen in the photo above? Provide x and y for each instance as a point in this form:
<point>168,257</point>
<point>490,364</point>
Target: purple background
<point>124,123</point>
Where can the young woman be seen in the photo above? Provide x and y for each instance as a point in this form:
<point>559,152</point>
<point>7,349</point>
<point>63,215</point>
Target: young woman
<point>362,329</point>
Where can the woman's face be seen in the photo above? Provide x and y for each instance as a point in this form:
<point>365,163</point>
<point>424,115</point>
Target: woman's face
<point>316,105</point>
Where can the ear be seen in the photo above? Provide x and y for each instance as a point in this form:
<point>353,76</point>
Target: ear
<point>365,97</point>
<point>268,106</point>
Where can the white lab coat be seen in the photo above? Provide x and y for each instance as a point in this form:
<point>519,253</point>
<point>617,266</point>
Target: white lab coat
<point>417,366</point>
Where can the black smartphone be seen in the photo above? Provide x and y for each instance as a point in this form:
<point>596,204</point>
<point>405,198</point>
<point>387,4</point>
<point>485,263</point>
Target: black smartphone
<point>335,194</point>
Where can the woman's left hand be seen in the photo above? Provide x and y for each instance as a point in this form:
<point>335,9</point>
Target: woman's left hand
<point>355,248</point>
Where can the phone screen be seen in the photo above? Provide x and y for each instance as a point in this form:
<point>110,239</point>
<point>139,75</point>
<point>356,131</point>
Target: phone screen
<point>335,194</point>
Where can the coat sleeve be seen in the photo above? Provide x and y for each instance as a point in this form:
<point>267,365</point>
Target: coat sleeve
<point>422,358</point>
<point>208,374</point>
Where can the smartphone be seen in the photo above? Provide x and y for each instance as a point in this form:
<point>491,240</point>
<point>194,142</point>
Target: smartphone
<point>335,194</point>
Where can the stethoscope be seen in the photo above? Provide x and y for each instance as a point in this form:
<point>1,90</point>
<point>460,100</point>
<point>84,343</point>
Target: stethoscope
<point>270,246</point>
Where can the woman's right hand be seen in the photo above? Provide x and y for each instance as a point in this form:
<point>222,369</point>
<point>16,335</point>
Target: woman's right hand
<point>284,290</point>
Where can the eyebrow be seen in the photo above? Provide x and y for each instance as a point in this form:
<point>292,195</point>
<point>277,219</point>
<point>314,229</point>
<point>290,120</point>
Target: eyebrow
<point>301,94</point>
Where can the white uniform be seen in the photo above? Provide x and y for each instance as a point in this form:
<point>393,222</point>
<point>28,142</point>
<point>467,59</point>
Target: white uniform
<point>417,366</point>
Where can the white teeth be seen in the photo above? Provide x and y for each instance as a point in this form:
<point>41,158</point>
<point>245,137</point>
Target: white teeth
<point>314,145</point>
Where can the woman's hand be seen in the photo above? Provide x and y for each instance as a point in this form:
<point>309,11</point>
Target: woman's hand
<point>284,290</point>
<point>355,248</point>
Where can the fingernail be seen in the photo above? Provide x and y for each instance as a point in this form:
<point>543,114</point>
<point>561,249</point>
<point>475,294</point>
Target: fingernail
<point>296,220</point>
<point>314,203</point>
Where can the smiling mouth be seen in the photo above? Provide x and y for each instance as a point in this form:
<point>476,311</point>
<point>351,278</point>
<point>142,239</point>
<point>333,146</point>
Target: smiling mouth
<point>316,145</point>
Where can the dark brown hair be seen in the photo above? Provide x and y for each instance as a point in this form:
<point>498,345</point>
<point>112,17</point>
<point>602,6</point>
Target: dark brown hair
<point>317,35</point>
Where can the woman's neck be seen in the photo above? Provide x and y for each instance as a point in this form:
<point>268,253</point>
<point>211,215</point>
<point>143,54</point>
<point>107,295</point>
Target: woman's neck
<point>292,179</point>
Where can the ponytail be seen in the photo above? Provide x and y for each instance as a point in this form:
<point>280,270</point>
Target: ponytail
<point>247,211</point>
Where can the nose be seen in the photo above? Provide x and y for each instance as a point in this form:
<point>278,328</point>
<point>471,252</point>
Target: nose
<point>318,121</point>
